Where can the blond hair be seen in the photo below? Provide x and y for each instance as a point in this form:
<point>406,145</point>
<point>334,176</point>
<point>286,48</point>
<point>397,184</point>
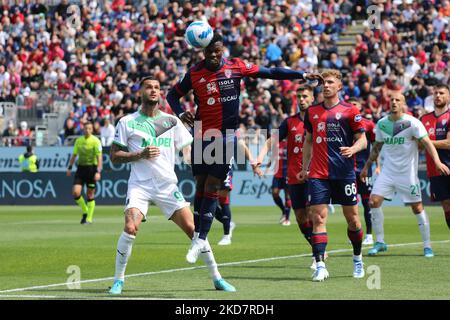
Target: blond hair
<point>332,73</point>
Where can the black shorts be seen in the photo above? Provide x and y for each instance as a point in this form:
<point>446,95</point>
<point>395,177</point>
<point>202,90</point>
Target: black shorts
<point>440,188</point>
<point>339,191</point>
<point>364,188</point>
<point>299,195</point>
<point>85,175</point>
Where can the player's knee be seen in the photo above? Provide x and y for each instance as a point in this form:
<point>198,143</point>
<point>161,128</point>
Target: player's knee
<point>131,228</point>
<point>318,219</point>
<point>374,202</point>
<point>417,207</point>
<point>76,195</point>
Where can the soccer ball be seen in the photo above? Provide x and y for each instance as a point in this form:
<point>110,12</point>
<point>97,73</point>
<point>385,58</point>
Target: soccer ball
<point>199,34</point>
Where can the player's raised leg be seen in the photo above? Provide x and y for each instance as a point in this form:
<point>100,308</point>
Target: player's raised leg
<point>183,218</point>
<point>133,218</point>
<point>424,227</point>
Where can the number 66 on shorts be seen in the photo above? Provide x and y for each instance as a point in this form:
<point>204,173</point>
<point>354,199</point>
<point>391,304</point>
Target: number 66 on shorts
<point>341,191</point>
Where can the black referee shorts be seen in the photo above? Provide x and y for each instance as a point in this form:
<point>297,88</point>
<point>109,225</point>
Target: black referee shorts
<point>85,175</point>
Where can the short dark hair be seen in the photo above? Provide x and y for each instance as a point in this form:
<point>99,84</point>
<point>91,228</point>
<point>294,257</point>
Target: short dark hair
<point>88,123</point>
<point>306,87</point>
<point>442,86</point>
<point>145,79</point>
<point>29,148</point>
<point>217,37</point>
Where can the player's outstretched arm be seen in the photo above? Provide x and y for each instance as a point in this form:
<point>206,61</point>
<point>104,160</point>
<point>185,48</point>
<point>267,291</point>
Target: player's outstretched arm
<point>248,155</point>
<point>286,74</point>
<point>442,168</point>
<point>120,154</point>
<point>373,157</point>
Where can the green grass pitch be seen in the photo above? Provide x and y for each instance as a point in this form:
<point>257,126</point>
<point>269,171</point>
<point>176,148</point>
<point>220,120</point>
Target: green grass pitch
<point>265,261</point>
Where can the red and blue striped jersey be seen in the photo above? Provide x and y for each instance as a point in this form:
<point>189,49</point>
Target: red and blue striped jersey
<point>216,93</point>
<point>292,129</point>
<point>363,156</point>
<point>438,129</point>
<point>331,129</point>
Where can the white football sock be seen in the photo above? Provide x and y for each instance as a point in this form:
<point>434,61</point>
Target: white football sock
<point>357,258</point>
<point>377,223</point>
<point>124,248</point>
<point>195,235</point>
<point>208,259</point>
<point>424,227</point>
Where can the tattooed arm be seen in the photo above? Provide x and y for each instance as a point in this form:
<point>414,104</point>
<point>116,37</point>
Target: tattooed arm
<point>373,157</point>
<point>120,154</point>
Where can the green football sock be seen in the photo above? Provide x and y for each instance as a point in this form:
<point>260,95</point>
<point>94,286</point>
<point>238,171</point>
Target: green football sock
<point>90,212</point>
<point>80,201</point>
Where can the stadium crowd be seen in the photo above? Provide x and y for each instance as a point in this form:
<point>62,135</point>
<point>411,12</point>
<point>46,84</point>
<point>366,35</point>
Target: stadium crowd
<point>118,42</point>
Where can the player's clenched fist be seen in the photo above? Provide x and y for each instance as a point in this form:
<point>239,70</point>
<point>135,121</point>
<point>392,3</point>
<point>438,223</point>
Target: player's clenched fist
<point>150,152</point>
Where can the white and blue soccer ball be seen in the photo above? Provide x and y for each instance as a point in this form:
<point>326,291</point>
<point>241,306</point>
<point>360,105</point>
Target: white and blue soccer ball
<point>199,34</point>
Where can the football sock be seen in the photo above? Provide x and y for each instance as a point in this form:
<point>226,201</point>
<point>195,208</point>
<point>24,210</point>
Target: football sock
<point>287,210</point>
<point>218,214</point>
<point>424,227</point>
<point>306,228</point>
<point>356,238</point>
<point>198,199</point>
<point>367,216</point>
<point>377,223</point>
<point>80,202</point>
<point>319,245</point>
<point>279,203</point>
<point>209,206</point>
<point>208,258</point>
<point>124,248</point>
<point>226,214</point>
<point>447,218</point>
<point>90,212</point>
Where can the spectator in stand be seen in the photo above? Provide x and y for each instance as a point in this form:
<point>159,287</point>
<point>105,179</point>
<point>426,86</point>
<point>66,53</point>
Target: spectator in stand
<point>107,133</point>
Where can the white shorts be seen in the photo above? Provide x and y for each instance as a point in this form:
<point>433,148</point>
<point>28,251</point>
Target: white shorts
<point>163,194</point>
<point>407,186</point>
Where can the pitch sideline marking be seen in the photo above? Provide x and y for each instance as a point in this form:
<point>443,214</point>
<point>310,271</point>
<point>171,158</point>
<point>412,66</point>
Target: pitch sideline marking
<point>203,267</point>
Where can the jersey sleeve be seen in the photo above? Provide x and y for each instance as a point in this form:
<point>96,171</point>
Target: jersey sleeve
<point>183,137</point>
<point>307,123</point>
<point>120,137</point>
<point>371,131</point>
<point>98,147</point>
<point>283,129</point>
<point>378,135</point>
<point>356,123</point>
<point>75,146</point>
<point>247,69</point>
<point>184,85</point>
<point>419,130</point>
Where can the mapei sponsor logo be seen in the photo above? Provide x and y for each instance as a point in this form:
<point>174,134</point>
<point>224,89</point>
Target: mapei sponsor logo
<point>157,142</point>
<point>394,140</point>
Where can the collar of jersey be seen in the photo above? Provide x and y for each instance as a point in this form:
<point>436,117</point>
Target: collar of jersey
<point>222,62</point>
<point>148,117</point>
<point>402,118</point>
<point>438,116</point>
<point>329,108</point>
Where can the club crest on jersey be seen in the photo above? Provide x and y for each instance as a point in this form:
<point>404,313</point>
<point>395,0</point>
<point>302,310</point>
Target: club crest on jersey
<point>431,131</point>
<point>338,115</point>
<point>228,73</point>
<point>211,101</point>
<point>211,87</point>
<point>248,65</point>
<point>321,126</point>
<point>358,118</point>
<point>444,122</point>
